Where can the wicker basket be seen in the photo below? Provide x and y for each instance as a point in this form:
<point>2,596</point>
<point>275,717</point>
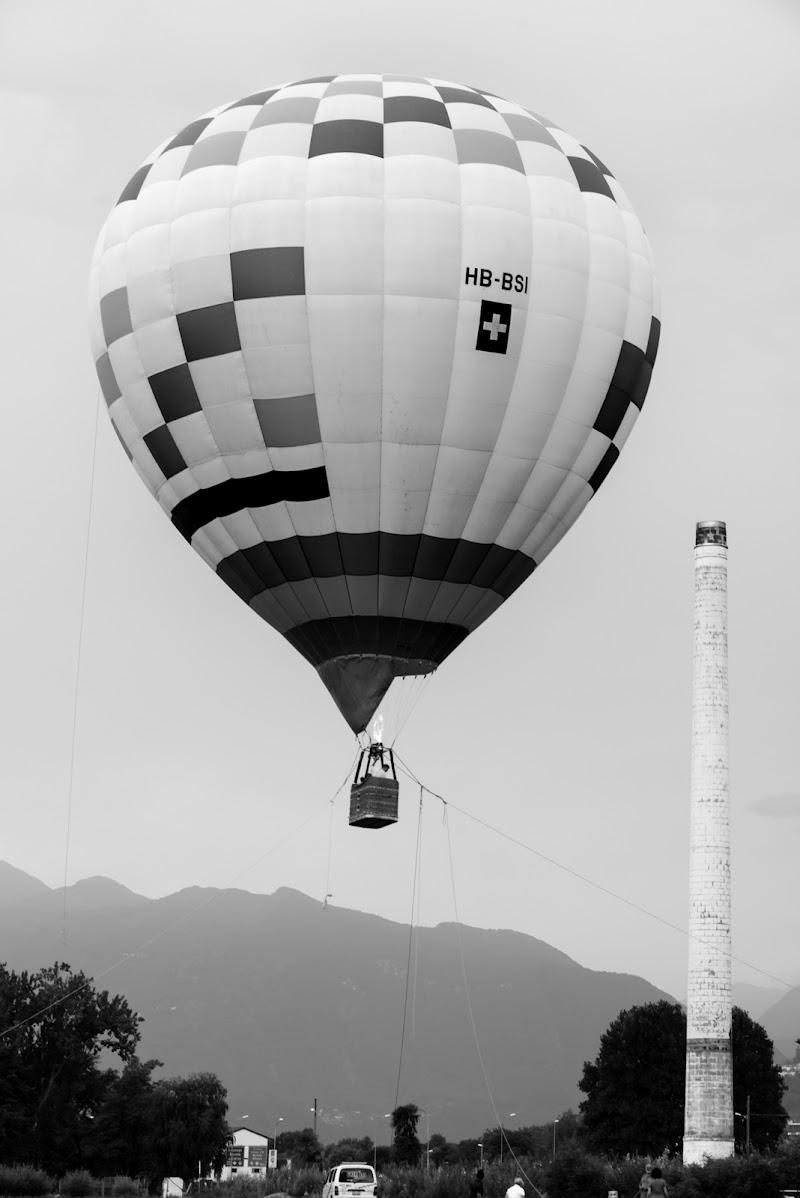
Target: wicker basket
<point>373,802</point>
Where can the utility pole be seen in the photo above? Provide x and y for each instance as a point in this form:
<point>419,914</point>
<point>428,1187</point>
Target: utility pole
<point>748,1124</point>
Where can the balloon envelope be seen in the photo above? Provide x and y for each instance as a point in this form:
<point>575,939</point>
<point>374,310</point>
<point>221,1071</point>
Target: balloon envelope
<point>373,342</point>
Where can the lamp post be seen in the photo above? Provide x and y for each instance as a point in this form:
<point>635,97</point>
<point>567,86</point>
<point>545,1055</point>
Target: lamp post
<point>428,1134</point>
<point>746,1115</point>
<point>481,1148</point>
<point>375,1147</point>
<point>513,1115</point>
<point>555,1121</point>
<point>277,1121</point>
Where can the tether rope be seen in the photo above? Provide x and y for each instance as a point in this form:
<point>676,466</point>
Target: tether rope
<point>498,1119</point>
<point>410,941</point>
<point>175,922</point>
<point>79,659</point>
<point>589,881</point>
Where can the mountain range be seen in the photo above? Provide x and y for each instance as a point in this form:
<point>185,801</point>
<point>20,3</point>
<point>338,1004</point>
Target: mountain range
<point>290,1002</point>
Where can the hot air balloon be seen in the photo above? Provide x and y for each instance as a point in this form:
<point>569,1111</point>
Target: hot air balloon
<point>373,342</point>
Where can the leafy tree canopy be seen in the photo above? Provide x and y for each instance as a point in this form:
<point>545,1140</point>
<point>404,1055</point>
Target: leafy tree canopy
<point>635,1088</point>
<point>755,1073</point>
<point>407,1147</point>
<point>301,1147</point>
<point>187,1127</point>
<point>117,1138</point>
<point>349,1149</point>
<point>53,1027</point>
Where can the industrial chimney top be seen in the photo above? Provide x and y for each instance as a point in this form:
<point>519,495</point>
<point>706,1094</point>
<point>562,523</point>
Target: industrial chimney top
<point>711,532</point>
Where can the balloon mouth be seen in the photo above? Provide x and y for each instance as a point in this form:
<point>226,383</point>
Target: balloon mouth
<point>358,682</point>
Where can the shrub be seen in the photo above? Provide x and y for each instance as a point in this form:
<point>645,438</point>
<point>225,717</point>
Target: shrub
<point>125,1187</point>
<point>740,1177</point>
<point>79,1184</point>
<point>574,1174</point>
<point>787,1164</point>
<point>296,1182</point>
<point>24,1181</point>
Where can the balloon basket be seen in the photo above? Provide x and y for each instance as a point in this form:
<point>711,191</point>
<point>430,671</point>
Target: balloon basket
<point>375,792</point>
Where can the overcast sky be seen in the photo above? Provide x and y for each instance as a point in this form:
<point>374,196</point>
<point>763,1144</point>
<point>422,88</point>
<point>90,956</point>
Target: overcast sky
<point>203,741</point>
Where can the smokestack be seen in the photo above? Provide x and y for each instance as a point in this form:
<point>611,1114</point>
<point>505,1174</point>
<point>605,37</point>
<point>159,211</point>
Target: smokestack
<point>708,1118</point>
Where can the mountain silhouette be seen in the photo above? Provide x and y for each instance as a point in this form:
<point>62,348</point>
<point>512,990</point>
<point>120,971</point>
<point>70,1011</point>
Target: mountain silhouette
<point>289,1002</point>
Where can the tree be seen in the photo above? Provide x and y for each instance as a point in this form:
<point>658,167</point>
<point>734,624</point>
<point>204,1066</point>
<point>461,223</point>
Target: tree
<point>440,1149</point>
<point>188,1128</point>
<point>635,1088</point>
<point>466,1152</point>
<point>572,1174</point>
<point>349,1149</point>
<point>755,1074</point>
<point>117,1140</point>
<point>54,1025</point>
<point>407,1147</point>
<point>301,1147</point>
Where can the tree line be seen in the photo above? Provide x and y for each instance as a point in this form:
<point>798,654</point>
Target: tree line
<point>61,1111</point>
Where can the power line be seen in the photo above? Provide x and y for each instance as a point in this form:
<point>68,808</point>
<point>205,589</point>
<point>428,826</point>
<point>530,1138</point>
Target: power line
<point>582,878</point>
<point>410,941</point>
<point>79,660</point>
<point>186,915</point>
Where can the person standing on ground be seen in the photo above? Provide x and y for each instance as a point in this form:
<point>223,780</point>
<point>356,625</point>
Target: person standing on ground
<point>657,1184</point>
<point>517,1190</point>
<point>644,1182</point>
<point>476,1185</point>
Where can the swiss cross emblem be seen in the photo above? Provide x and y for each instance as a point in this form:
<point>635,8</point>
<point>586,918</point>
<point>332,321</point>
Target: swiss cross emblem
<point>493,327</point>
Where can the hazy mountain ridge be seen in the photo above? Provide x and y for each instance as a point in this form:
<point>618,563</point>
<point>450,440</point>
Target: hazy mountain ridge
<point>289,1002</point>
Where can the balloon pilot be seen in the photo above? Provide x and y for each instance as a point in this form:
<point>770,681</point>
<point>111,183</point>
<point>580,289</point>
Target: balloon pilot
<point>375,791</point>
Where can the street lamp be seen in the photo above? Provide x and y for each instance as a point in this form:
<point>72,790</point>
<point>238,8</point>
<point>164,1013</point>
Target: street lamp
<point>277,1121</point>
<point>481,1148</point>
<point>428,1134</point>
<point>555,1121</point>
<point>375,1147</point>
<point>513,1115</point>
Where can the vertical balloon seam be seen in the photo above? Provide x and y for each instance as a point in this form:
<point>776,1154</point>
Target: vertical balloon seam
<point>528,179</point>
<point>470,610</point>
<point>273,598</point>
<point>627,334</point>
<point>171,218</point>
<point>334,623</point>
<point>459,539</point>
<point>383,365</point>
<point>234,201</point>
<point>335,626</point>
<point>415,640</point>
<point>563,521</point>
<point>572,368</point>
<point>271,590</point>
<point>300,540</point>
<point>157,488</point>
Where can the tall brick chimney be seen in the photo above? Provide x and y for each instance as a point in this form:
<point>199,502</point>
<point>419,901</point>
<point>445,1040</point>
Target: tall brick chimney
<point>708,1118</point>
